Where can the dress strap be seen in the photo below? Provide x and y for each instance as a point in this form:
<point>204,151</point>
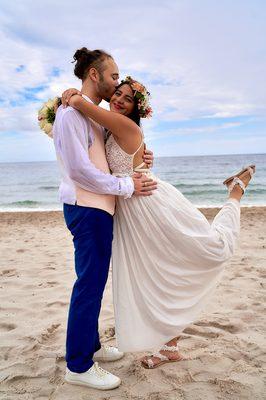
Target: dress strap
<point>142,141</point>
<point>109,133</point>
<point>138,147</point>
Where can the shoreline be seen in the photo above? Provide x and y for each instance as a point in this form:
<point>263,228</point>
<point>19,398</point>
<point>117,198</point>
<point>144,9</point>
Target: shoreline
<point>53,217</point>
<point>57,210</point>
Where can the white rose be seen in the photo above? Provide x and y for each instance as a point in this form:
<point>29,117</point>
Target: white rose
<point>42,123</point>
<point>50,103</point>
<point>55,101</point>
<point>43,112</point>
<point>48,129</point>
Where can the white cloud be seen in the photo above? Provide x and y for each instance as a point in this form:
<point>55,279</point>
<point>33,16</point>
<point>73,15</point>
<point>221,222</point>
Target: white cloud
<point>199,59</point>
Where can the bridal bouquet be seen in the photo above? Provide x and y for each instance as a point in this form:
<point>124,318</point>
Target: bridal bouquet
<point>46,115</point>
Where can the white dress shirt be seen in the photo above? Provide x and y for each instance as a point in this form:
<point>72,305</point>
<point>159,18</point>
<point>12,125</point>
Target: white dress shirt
<point>73,135</point>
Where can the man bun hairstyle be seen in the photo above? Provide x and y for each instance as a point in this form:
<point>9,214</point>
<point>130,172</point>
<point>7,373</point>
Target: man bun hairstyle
<point>86,59</point>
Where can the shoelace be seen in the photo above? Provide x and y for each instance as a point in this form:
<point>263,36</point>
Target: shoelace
<point>100,370</point>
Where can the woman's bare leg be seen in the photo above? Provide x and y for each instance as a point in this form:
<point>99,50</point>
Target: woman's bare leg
<point>237,192</point>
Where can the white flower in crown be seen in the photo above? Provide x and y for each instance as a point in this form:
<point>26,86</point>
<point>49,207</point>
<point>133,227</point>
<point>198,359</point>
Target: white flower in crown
<point>51,102</point>
<point>42,123</point>
<point>48,129</point>
<point>46,115</point>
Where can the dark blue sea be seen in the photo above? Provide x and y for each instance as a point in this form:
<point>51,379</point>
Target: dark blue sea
<point>34,185</point>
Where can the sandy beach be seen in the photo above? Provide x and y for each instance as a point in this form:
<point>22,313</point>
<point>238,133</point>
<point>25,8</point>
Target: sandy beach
<point>226,343</point>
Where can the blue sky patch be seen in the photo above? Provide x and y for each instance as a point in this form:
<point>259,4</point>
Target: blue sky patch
<point>56,72</point>
<point>20,68</point>
<point>28,95</point>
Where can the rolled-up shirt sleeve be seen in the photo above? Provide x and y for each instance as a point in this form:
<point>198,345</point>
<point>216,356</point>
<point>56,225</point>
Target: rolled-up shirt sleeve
<point>71,143</point>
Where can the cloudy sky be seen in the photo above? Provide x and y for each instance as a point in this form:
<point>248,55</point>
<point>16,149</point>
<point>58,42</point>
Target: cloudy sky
<point>204,62</point>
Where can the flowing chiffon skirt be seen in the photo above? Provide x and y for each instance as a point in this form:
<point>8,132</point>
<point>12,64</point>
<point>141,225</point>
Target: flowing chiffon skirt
<point>166,260</point>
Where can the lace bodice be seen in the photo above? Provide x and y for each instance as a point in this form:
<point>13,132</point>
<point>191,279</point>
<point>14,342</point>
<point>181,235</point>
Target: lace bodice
<point>120,162</point>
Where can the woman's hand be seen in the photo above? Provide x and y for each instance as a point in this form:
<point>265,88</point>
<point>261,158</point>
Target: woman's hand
<point>75,101</point>
<point>66,96</point>
<point>148,157</point>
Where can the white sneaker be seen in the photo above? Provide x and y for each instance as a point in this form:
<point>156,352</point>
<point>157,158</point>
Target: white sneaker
<point>96,377</point>
<point>108,353</point>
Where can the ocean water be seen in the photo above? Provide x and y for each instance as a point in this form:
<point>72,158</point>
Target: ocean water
<point>34,185</point>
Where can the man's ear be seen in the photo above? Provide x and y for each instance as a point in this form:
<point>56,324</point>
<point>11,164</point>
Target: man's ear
<point>93,74</point>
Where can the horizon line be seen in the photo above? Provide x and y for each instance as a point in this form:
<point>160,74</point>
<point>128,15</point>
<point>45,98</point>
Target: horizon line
<point>179,156</point>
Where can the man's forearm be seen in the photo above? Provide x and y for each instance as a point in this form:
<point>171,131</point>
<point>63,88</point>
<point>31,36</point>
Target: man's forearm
<point>96,181</point>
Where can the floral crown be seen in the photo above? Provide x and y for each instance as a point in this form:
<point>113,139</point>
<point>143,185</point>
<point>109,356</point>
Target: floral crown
<point>142,96</point>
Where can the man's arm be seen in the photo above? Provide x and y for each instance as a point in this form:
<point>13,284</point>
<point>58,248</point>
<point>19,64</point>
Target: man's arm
<point>148,156</point>
<point>71,143</point>
<point>72,146</point>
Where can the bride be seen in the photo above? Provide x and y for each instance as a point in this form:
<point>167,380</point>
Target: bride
<point>166,256</point>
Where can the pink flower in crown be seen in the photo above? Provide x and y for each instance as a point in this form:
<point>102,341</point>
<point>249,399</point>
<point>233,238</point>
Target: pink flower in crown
<point>138,87</point>
<point>148,112</point>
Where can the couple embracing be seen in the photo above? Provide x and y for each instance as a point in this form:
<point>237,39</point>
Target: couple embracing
<point>166,256</point>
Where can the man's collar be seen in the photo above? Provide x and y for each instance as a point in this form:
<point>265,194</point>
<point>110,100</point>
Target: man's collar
<point>87,98</point>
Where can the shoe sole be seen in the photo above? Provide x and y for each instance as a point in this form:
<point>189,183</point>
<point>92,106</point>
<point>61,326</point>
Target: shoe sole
<point>108,387</point>
<point>103,359</point>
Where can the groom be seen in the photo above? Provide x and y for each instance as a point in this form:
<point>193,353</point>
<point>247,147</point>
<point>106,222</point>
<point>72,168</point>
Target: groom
<point>88,191</point>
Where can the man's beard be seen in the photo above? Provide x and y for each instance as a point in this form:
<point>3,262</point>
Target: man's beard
<point>104,92</point>
<point>107,99</point>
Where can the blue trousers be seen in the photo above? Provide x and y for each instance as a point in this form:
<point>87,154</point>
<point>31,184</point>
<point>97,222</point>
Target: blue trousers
<point>92,231</point>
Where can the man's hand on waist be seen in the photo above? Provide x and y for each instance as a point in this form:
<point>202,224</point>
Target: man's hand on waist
<point>143,185</point>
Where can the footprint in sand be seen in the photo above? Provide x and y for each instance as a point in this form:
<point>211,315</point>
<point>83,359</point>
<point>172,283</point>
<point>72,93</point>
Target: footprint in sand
<point>5,327</point>
<point>57,303</point>
<point>195,331</point>
<point>240,306</point>
<point>48,284</point>
<point>8,272</point>
<point>228,327</point>
<point>236,275</point>
<point>48,333</point>
<point>137,371</point>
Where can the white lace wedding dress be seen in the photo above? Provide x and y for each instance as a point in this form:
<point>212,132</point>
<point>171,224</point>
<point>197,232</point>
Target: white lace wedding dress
<point>166,259</point>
